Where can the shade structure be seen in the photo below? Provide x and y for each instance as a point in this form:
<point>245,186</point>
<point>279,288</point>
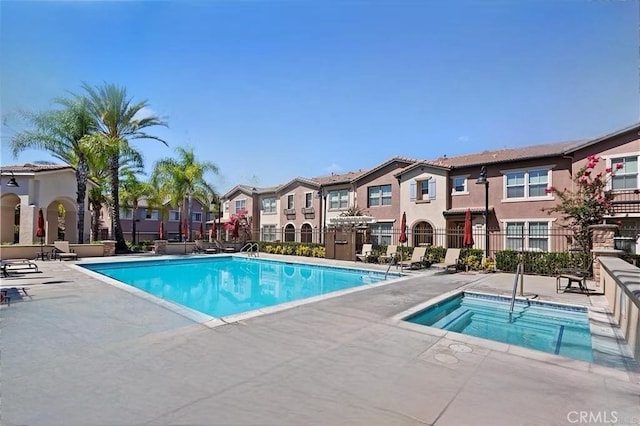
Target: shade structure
<point>161,231</point>
<point>467,234</point>
<point>403,229</point>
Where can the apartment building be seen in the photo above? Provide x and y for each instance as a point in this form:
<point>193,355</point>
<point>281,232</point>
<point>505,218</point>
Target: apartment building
<point>436,193</point>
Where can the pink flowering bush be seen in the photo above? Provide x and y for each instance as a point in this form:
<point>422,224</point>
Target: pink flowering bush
<point>587,204</point>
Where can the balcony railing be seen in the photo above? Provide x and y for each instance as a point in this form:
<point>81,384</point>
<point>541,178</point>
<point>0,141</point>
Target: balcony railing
<point>626,201</point>
<point>290,212</point>
<point>308,210</point>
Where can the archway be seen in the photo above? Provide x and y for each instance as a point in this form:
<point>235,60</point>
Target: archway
<point>60,221</point>
<point>306,233</point>
<point>9,213</point>
<point>290,233</point>
<point>422,234</point>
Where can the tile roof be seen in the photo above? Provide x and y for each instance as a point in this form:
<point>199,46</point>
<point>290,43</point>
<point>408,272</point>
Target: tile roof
<point>33,168</point>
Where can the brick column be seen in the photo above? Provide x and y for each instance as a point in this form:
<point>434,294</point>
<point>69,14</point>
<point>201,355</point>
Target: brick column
<point>603,245</point>
<point>108,248</point>
<point>160,246</point>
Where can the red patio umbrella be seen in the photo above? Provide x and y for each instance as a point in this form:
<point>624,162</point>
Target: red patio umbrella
<point>236,230</point>
<point>40,232</point>
<point>467,234</point>
<point>161,232</point>
<point>185,229</point>
<point>403,229</point>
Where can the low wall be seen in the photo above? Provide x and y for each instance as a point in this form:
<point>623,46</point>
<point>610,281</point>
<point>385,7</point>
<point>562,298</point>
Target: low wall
<point>180,248</point>
<point>621,284</point>
<point>32,251</point>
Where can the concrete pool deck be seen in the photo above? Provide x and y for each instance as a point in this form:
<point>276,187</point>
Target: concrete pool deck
<point>82,352</point>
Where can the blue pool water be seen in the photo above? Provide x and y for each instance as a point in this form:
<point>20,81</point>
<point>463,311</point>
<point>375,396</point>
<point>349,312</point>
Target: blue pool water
<point>225,285</point>
<point>548,327</point>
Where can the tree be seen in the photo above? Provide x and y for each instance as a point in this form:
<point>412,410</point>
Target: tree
<point>184,180</point>
<point>587,204</point>
<point>118,121</point>
<point>132,190</point>
<point>61,132</point>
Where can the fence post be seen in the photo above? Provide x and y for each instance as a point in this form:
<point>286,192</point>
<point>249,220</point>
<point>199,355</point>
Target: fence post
<point>602,245</point>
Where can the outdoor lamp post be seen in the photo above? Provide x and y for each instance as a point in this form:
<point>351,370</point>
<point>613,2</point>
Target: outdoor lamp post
<point>12,181</point>
<point>482,180</point>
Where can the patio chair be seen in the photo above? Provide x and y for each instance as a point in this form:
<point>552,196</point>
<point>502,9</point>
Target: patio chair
<point>61,251</point>
<point>417,258</point>
<point>451,260</point>
<point>573,276</point>
<point>365,253</point>
<point>9,265</point>
<point>392,252</point>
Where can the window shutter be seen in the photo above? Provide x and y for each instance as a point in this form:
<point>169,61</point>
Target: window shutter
<point>412,191</point>
<point>432,188</point>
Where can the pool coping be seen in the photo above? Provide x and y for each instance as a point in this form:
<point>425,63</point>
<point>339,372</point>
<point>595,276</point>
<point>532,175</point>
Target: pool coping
<point>624,366</point>
<point>211,321</point>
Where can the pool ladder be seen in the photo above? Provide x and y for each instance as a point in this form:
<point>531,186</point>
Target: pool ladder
<point>252,249</point>
<point>519,274</point>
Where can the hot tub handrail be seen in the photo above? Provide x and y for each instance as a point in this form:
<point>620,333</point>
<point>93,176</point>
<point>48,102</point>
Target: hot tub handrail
<point>519,271</point>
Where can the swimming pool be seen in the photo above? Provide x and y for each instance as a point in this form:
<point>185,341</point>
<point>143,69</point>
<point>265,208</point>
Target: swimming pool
<point>549,327</point>
<point>226,285</point>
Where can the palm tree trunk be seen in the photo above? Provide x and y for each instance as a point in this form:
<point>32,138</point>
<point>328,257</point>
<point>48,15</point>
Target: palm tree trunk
<point>95,224</point>
<point>82,172</point>
<point>114,165</point>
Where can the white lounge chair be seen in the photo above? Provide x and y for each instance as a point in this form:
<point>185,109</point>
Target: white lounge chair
<point>9,265</point>
<point>451,260</point>
<point>417,258</point>
<point>392,252</point>
<point>61,251</point>
<point>365,253</point>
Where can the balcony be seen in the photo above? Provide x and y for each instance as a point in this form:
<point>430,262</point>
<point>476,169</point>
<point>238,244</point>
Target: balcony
<point>626,201</point>
<point>289,212</point>
<point>308,211</point>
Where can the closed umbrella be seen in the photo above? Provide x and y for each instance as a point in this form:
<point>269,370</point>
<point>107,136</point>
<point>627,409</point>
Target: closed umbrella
<point>200,232</point>
<point>161,232</point>
<point>467,234</point>
<point>403,226</point>
<point>40,232</point>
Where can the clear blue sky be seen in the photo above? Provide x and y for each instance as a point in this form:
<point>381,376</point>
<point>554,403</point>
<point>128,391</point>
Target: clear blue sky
<point>271,90</point>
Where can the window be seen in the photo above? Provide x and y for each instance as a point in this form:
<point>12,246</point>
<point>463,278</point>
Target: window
<point>196,217</point>
<point>240,205</point>
<point>269,205</point>
<point>210,216</point>
<point>527,183</point>
<point>269,233</point>
<point>174,216</point>
<point>379,195</point>
<point>339,199</point>
<point>151,214</point>
<point>290,201</point>
<point>308,200</point>
<point>627,176</point>
<point>458,184</point>
<point>381,233</point>
<point>126,213</point>
<point>422,190</point>
<point>533,235</point>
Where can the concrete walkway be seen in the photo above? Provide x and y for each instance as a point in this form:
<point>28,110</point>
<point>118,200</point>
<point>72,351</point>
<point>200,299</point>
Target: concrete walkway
<point>82,352</point>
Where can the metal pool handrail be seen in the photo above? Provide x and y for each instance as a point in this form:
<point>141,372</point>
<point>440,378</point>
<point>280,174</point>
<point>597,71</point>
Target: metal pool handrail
<point>519,271</point>
<point>252,249</point>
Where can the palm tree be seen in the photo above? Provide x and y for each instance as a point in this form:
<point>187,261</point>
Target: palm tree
<point>184,179</point>
<point>61,132</point>
<point>132,190</point>
<point>118,121</point>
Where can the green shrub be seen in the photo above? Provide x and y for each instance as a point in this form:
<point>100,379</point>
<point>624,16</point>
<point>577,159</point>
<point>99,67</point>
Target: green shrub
<point>541,263</point>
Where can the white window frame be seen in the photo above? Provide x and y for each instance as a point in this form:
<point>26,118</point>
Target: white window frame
<point>338,199</point>
<point>526,174</point>
<point>464,185</point>
<point>528,237</point>
<point>152,214</point>
<point>269,205</point>
<point>381,197</point>
<point>291,201</point>
<point>239,205</point>
<point>176,214</point>
<point>269,233</point>
<point>381,233</point>
<point>417,192</point>
<point>612,164</point>
<point>126,213</point>
<point>308,200</point>
<point>196,216</point>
